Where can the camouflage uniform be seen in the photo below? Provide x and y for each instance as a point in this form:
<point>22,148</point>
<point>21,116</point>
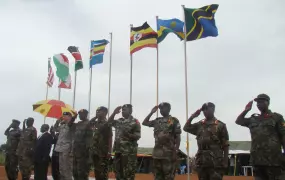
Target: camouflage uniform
<point>100,149</point>
<point>82,140</point>
<point>266,132</point>
<point>128,132</point>
<point>212,137</point>
<point>165,132</point>
<point>11,159</point>
<point>25,151</point>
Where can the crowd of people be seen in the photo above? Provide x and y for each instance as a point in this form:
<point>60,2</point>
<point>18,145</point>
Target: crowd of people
<point>77,146</point>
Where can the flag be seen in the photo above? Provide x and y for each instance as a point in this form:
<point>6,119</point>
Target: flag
<point>97,51</point>
<point>141,37</point>
<point>167,26</point>
<point>50,78</point>
<point>62,66</point>
<point>77,56</point>
<point>200,23</point>
<point>65,84</point>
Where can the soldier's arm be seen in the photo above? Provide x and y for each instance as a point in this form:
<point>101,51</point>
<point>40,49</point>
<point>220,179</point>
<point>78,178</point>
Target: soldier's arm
<point>24,125</point>
<point>224,138</point>
<point>89,135</point>
<point>137,132</point>
<point>281,129</point>
<point>177,133</point>
<point>110,140</point>
<point>71,122</point>
<point>242,120</point>
<point>56,125</point>
<point>6,133</point>
<point>191,128</point>
<point>147,122</point>
<point>111,120</point>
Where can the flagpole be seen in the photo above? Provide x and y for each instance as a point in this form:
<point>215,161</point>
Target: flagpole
<point>131,75</point>
<point>59,90</point>
<point>49,59</point>
<point>110,73</point>
<point>90,88</point>
<point>157,67</point>
<point>186,91</point>
<point>74,91</point>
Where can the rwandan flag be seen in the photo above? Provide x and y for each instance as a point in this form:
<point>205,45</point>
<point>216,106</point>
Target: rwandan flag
<point>97,51</point>
<point>167,26</point>
<point>200,23</point>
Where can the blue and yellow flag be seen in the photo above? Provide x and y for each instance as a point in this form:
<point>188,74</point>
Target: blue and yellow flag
<point>97,51</point>
<point>200,23</point>
<point>167,26</point>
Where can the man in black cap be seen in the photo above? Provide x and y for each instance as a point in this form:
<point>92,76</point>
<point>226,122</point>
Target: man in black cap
<point>267,131</point>
<point>81,146</point>
<point>167,131</point>
<point>65,127</point>
<point>212,140</point>
<point>101,145</point>
<point>128,132</point>
<point>26,148</point>
<point>13,133</point>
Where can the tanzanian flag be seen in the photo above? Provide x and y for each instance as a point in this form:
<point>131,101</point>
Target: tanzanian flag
<point>200,23</point>
<point>97,51</point>
<point>167,26</point>
<point>141,37</point>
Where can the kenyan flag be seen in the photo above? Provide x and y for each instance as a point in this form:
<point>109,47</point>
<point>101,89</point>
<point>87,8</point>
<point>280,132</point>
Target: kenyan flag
<point>77,56</point>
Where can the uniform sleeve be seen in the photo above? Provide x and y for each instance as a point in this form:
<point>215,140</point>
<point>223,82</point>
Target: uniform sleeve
<point>192,128</point>
<point>113,123</point>
<point>137,131</point>
<point>280,125</point>
<point>150,123</point>
<point>224,135</point>
<point>242,121</point>
<point>177,127</point>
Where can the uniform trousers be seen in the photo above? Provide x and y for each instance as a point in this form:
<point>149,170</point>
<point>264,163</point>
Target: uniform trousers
<point>11,166</point>
<point>268,173</point>
<point>65,166</point>
<point>125,166</point>
<point>164,169</point>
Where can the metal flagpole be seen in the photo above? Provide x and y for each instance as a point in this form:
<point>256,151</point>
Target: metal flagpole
<point>59,90</point>
<point>186,91</point>
<point>110,71</point>
<point>74,91</point>
<point>157,67</point>
<point>49,59</point>
<point>90,88</point>
<point>131,75</point>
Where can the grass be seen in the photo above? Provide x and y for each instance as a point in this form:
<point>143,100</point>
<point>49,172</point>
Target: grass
<point>2,159</point>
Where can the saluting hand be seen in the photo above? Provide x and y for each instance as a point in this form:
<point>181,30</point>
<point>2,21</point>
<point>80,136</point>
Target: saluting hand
<point>154,109</point>
<point>118,110</point>
<point>196,113</point>
<point>248,106</point>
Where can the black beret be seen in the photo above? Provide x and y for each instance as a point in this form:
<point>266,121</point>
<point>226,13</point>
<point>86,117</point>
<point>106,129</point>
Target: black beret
<point>164,104</point>
<point>206,105</point>
<point>67,113</point>
<point>262,96</point>
<point>127,106</point>
<point>102,108</point>
<point>16,121</point>
<point>84,111</point>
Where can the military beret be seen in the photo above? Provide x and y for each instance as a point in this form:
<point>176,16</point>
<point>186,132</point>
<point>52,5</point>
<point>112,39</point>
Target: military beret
<point>127,106</point>
<point>262,96</point>
<point>30,119</point>
<point>67,113</point>
<point>83,111</point>
<point>16,121</point>
<point>102,108</point>
<point>206,105</point>
<point>164,104</point>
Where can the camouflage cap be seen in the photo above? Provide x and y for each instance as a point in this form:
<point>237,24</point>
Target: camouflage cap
<point>206,105</point>
<point>102,108</point>
<point>16,121</point>
<point>83,111</point>
<point>262,96</point>
<point>127,106</point>
<point>164,104</point>
<point>67,114</point>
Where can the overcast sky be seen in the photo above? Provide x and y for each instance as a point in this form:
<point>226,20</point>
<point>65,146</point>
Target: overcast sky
<point>247,58</point>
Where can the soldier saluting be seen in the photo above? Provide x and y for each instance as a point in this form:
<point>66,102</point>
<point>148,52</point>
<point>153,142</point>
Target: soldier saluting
<point>268,135</point>
<point>128,132</point>
<point>11,159</point>
<point>167,132</point>
<point>26,148</point>
<point>212,139</point>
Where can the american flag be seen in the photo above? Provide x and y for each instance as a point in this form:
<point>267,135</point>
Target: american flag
<point>50,78</point>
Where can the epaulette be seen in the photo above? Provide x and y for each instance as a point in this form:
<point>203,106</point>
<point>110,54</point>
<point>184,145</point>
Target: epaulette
<point>220,122</point>
<point>174,118</point>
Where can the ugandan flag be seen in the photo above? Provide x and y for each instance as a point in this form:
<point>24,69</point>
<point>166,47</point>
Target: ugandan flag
<point>200,23</point>
<point>142,37</point>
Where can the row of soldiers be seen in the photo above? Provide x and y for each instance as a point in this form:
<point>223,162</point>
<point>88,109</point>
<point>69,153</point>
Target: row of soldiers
<point>80,144</point>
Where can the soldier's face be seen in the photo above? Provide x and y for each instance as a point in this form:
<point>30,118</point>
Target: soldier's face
<point>208,112</point>
<point>262,104</point>
<point>66,118</point>
<point>126,112</point>
<point>82,116</point>
<point>164,111</point>
<point>30,122</point>
<point>101,113</point>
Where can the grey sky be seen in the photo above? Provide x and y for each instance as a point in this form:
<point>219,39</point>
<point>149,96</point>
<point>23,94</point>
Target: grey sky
<point>246,59</point>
